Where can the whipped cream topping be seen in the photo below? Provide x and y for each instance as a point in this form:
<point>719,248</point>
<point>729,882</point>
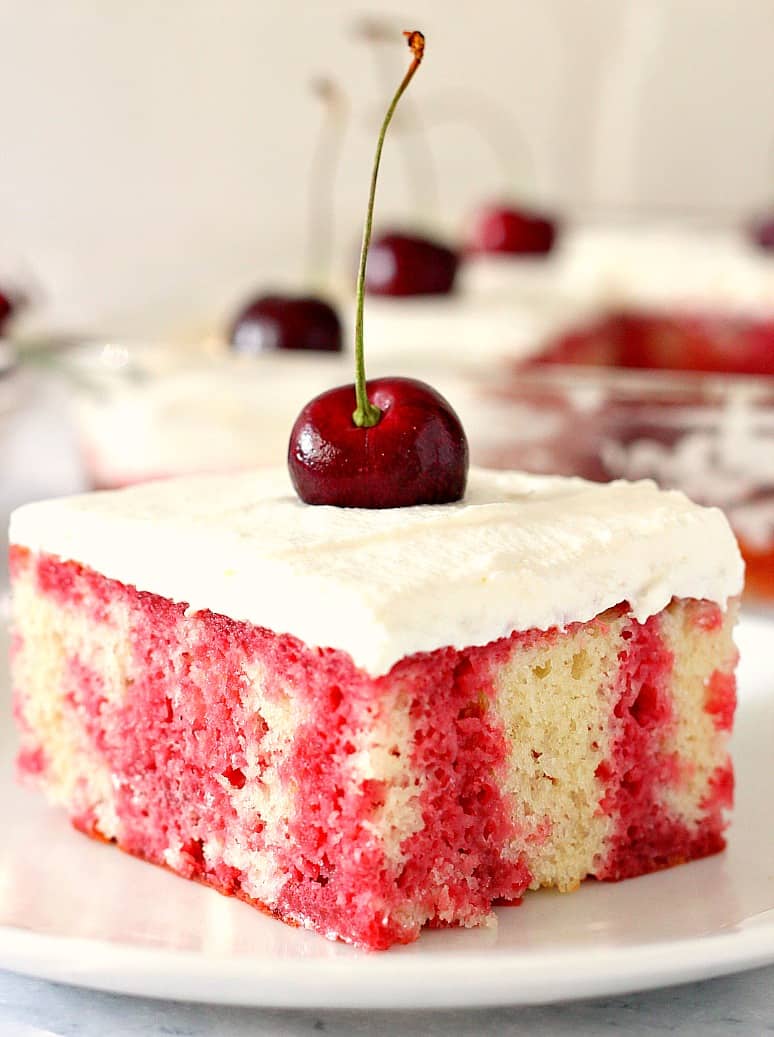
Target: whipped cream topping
<point>519,552</point>
<point>461,332</point>
<point>650,266</point>
<point>522,278</point>
<point>657,266</point>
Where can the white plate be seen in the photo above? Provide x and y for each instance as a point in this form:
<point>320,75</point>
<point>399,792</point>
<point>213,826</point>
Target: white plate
<point>79,912</point>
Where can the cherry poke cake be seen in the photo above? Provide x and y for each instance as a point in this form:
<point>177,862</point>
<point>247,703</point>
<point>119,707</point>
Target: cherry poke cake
<point>366,721</point>
<point>377,691</point>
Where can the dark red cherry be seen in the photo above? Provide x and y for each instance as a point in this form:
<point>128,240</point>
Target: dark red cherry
<point>391,442</point>
<point>6,309</point>
<point>516,232</point>
<point>416,453</point>
<point>407,264</point>
<point>286,322</point>
<point>762,231</point>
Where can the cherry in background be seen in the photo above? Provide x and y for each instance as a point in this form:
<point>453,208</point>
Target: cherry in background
<point>501,229</point>
<point>407,264</point>
<point>500,226</point>
<point>274,321</point>
<point>389,443</point>
<point>6,309</point>
<point>762,232</point>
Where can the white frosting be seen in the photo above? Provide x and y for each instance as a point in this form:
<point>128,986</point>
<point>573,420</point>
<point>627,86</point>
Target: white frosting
<point>655,265</point>
<point>666,266</point>
<point>518,552</point>
<point>460,332</point>
<point>517,277</point>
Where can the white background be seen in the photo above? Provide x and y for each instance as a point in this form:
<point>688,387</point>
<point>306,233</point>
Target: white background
<point>155,154</point>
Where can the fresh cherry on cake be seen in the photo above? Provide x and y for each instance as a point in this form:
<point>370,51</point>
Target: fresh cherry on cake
<point>273,322</point>
<point>762,232</point>
<point>504,229</point>
<point>416,453</point>
<point>408,264</point>
<point>388,443</point>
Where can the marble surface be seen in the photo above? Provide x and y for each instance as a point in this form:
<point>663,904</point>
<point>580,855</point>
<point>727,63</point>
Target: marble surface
<point>741,1004</point>
<point>36,459</point>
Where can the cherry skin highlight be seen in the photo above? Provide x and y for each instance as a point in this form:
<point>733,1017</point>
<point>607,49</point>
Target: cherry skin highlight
<point>274,322</point>
<point>762,232</point>
<point>505,230</point>
<point>417,452</point>
<point>408,264</point>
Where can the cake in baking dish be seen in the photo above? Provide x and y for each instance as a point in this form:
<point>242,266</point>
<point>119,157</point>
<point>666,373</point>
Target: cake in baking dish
<point>365,722</point>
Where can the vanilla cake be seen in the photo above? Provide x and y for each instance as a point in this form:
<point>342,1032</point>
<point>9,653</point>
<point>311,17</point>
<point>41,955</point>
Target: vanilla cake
<point>363,721</point>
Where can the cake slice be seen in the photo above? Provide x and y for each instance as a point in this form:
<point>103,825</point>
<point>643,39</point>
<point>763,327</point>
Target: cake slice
<point>365,722</point>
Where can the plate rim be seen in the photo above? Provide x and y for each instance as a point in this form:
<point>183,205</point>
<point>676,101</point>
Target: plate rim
<point>384,979</point>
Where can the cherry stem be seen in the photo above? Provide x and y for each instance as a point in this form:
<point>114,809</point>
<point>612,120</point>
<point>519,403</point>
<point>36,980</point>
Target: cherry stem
<point>366,414</point>
<point>325,161</point>
<point>418,163</point>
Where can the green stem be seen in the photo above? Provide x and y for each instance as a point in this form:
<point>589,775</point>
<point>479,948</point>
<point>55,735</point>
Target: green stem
<point>420,175</point>
<point>366,414</point>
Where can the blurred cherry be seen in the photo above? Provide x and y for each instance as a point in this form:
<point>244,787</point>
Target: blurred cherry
<point>762,232</point>
<point>407,264</point>
<point>278,322</point>
<point>507,230</point>
<point>6,309</point>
